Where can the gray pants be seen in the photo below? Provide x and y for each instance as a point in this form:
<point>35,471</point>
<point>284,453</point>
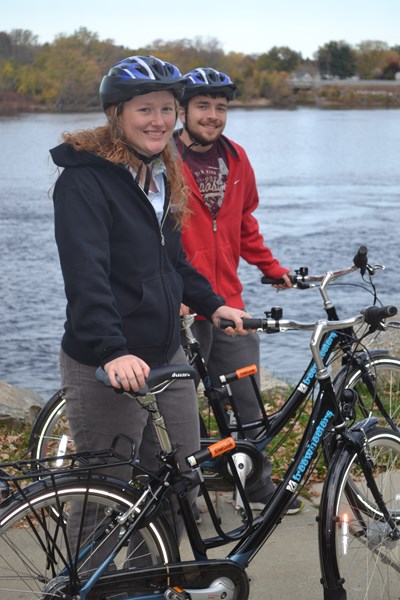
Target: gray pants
<point>224,354</point>
<point>97,414</point>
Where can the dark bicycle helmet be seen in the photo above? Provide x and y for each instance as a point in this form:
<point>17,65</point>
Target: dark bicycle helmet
<point>137,75</point>
<point>205,80</point>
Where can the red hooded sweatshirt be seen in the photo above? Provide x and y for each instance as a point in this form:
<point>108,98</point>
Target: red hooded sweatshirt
<point>214,246</point>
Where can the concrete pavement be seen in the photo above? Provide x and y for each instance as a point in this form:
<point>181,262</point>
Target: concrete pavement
<point>287,566</point>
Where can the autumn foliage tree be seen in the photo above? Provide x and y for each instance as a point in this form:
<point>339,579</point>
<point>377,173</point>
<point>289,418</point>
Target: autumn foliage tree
<point>65,74</point>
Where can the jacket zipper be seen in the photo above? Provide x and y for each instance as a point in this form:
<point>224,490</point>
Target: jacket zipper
<point>162,224</point>
<point>162,238</point>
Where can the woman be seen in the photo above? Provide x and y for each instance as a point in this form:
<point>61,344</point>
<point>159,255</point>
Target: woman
<point>118,203</point>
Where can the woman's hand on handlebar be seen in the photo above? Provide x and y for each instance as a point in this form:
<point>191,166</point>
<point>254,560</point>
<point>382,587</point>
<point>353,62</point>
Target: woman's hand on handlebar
<point>233,314</point>
<point>129,372</point>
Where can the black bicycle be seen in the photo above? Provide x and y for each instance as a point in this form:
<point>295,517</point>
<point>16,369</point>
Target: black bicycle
<point>121,545</point>
<point>370,375</point>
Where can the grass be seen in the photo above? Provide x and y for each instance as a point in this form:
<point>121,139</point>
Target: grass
<point>13,442</point>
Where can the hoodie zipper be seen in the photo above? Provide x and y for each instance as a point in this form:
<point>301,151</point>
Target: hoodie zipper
<point>161,225</point>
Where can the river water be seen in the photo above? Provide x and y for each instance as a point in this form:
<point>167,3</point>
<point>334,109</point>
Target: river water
<point>328,181</point>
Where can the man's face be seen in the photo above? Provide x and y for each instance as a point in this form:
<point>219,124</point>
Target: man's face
<point>206,117</point>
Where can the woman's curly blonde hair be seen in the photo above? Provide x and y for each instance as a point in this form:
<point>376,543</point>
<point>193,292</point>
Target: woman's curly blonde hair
<point>108,142</point>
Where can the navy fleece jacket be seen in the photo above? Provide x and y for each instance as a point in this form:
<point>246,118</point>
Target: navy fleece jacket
<point>125,275</point>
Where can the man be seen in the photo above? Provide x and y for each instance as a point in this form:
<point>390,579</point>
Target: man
<point>220,230</point>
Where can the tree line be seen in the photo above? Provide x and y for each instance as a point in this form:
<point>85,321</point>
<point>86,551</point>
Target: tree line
<point>65,74</point>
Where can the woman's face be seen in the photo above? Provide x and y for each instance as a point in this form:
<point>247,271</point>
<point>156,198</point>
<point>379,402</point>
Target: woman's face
<point>148,121</point>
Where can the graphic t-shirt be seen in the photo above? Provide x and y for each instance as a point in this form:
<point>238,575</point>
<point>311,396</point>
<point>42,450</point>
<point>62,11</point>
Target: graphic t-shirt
<point>210,170</point>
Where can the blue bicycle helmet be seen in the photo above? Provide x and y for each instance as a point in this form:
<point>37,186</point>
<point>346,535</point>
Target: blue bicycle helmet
<point>137,75</point>
<point>205,80</point>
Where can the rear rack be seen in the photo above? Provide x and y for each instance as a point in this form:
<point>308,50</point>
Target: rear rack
<point>37,468</point>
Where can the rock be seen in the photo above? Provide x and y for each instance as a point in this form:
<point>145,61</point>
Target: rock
<point>17,405</point>
<point>270,383</point>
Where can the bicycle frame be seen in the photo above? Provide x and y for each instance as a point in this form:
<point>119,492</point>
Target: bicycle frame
<point>274,422</point>
<point>325,420</point>
<point>250,537</point>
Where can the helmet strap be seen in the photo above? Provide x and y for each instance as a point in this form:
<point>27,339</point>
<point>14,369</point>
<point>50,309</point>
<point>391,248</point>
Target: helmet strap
<point>146,186</point>
<point>195,141</point>
<point>188,148</point>
<point>145,161</point>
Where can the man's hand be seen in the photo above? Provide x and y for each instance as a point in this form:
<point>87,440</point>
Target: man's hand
<point>283,286</point>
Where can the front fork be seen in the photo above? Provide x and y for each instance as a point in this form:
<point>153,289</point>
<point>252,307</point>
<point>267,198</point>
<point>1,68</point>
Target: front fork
<point>361,445</point>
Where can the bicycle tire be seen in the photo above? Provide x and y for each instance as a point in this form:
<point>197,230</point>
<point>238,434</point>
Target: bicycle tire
<point>358,558</point>
<point>384,371</point>
<point>37,550</point>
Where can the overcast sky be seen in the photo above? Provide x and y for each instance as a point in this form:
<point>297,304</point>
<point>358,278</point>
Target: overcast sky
<point>248,26</point>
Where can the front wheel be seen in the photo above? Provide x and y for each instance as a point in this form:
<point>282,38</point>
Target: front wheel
<point>55,535</point>
<point>359,555</point>
<point>377,382</point>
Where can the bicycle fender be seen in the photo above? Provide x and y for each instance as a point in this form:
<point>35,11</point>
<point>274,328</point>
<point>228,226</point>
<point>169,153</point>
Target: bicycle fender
<point>365,424</point>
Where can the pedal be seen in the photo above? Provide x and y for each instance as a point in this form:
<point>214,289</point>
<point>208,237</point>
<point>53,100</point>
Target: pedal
<point>175,593</point>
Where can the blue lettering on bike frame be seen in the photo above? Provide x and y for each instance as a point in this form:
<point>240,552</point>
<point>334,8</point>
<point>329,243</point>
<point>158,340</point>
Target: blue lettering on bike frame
<point>312,446</point>
<point>326,346</point>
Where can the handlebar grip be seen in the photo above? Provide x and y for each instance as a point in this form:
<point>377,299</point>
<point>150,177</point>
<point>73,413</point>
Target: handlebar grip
<point>271,281</point>
<point>296,280</point>
<point>220,447</point>
<point>102,376</point>
<point>225,323</point>
<point>238,374</point>
<point>248,323</point>
<point>373,315</point>
<point>360,260</point>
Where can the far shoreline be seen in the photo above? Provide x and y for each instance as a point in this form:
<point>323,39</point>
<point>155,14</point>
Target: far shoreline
<point>294,93</point>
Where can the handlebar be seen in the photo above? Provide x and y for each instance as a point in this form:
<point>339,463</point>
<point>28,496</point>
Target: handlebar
<point>302,280</point>
<point>372,316</point>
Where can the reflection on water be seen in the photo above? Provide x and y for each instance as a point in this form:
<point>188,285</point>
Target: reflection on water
<point>328,182</point>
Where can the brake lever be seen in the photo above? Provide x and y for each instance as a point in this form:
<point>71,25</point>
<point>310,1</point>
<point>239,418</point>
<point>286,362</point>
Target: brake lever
<point>373,268</point>
<point>303,285</point>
